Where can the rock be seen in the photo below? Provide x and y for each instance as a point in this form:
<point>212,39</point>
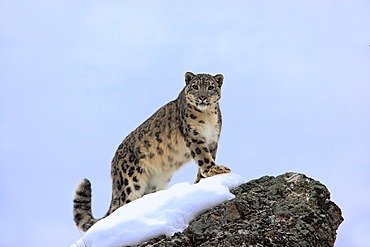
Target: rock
<point>287,210</point>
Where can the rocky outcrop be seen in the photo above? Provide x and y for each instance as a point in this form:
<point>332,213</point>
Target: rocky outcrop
<point>287,210</point>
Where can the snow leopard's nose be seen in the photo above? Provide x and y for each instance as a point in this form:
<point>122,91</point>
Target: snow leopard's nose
<point>202,97</point>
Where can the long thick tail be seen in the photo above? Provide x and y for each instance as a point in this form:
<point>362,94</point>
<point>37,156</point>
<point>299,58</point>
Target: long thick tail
<point>82,213</point>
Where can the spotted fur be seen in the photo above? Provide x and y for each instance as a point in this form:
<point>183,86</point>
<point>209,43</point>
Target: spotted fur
<point>184,129</point>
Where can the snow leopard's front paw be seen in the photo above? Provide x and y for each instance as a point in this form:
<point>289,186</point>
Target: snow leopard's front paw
<point>214,170</point>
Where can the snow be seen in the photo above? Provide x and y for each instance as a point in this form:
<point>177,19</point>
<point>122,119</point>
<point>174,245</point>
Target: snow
<point>161,213</point>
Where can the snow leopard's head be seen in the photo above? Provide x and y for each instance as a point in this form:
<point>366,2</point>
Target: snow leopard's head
<point>203,90</point>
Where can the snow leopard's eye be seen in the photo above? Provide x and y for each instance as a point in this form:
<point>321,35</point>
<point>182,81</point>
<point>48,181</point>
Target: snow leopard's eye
<point>195,87</point>
<point>210,88</point>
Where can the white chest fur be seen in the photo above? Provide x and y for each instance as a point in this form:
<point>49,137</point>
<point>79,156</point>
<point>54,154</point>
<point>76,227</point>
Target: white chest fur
<point>210,129</point>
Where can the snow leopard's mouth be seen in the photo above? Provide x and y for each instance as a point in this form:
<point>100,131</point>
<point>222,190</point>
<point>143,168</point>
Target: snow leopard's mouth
<point>202,106</point>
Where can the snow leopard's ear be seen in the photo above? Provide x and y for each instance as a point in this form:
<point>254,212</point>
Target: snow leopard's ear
<point>219,79</point>
<point>188,77</point>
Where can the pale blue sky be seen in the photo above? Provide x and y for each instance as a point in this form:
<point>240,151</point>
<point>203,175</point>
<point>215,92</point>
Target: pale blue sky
<point>77,77</point>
